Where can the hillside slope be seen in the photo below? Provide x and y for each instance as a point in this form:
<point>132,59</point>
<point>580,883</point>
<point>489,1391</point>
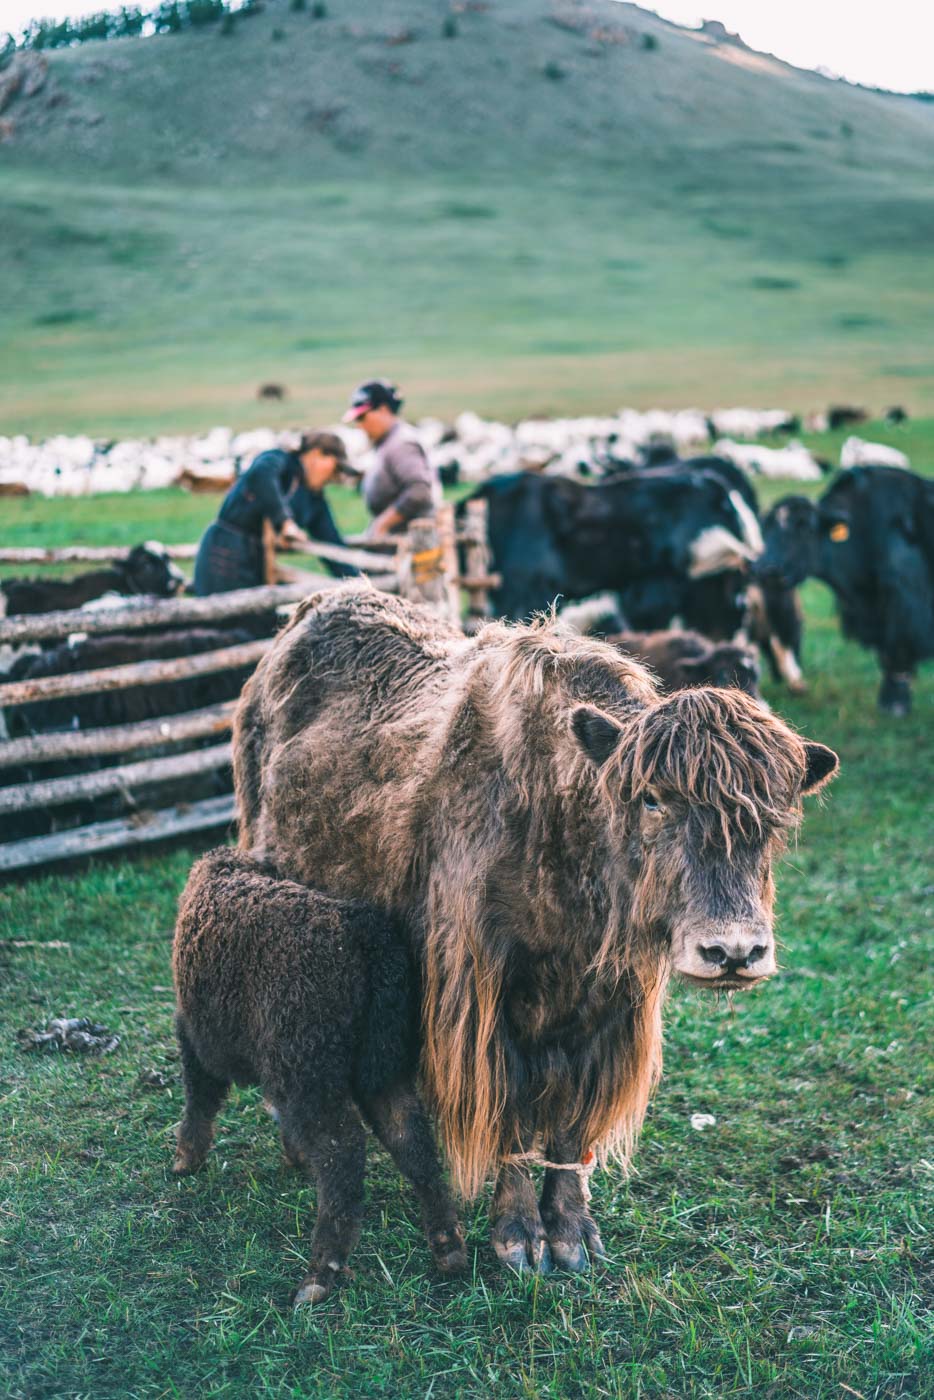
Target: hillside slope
<point>577,201</point>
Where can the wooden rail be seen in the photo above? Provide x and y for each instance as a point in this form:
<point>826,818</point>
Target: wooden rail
<point>168,612</point>
<point>104,554</point>
<point>118,738</point>
<point>116,835</point>
<point>137,673</point>
<point>55,791</point>
<point>362,559</point>
<point>85,554</point>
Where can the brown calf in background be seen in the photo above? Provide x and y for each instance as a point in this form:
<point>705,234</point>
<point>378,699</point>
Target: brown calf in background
<point>684,659</point>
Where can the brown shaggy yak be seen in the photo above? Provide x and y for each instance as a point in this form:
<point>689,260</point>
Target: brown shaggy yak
<point>557,838</point>
<point>315,1000</point>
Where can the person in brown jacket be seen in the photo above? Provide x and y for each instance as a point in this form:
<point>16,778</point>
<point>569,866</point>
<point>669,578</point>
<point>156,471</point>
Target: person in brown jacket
<point>400,484</point>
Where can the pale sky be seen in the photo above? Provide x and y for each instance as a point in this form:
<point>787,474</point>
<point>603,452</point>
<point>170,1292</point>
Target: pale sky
<point>887,45</point>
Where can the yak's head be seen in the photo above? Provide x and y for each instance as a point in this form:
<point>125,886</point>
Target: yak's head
<point>702,788</point>
<point>727,665</point>
<point>791,530</point>
<point>149,570</point>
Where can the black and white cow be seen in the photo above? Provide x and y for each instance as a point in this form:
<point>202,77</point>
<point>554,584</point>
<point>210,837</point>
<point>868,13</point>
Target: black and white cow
<point>553,537</point>
<point>716,604</point>
<point>871,538</point>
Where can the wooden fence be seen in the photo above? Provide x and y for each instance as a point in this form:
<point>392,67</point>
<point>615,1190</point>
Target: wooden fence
<point>422,566</point>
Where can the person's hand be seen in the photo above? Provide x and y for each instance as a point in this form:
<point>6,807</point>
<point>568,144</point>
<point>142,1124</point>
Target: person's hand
<point>290,533</point>
<point>381,526</point>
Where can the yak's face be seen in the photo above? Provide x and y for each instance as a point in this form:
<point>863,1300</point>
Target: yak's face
<point>713,906</point>
<point>726,665</point>
<point>149,570</point>
<point>791,533</point>
<point>702,788</point>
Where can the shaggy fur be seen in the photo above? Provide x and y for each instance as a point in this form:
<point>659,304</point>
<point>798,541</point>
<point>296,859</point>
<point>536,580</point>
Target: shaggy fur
<point>487,790</point>
<point>314,1000</point>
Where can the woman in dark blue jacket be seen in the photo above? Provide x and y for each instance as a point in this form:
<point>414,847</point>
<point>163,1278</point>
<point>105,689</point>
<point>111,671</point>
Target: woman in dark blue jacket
<point>285,488</point>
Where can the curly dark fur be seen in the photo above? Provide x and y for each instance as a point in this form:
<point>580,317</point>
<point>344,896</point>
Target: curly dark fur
<point>314,1000</point>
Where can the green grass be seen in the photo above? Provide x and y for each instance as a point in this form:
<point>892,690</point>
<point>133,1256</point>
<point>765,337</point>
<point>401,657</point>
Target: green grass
<point>200,214</point>
<point>783,1253</point>
<point>661,226</point>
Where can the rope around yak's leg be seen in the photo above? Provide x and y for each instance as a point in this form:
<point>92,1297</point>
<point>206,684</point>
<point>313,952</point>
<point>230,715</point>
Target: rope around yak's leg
<point>583,1169</point>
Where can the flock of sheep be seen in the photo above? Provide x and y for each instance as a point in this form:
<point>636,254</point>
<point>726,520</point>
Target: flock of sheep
<point>472,449</point>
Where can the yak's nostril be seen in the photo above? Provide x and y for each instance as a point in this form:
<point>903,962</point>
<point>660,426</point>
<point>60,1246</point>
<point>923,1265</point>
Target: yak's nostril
<point>755,953</point>
<point>715,954</point>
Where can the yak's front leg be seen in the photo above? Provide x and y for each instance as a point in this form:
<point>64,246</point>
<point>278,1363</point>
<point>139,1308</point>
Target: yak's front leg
<point>518,1234</point>
<point>573,1237</point>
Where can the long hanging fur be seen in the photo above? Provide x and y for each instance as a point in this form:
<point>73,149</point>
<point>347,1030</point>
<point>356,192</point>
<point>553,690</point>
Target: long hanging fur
<point>384,757</point>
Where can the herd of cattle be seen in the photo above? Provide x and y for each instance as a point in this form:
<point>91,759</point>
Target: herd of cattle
<point>673,562</point>
<point>471,449</point>
<point>686,541</point>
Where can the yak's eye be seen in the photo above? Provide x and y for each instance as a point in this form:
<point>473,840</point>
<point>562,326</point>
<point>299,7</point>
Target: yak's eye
<point>650,803</point>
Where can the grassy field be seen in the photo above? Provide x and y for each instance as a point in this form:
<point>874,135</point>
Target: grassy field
<point>527,218</point>
<point>784,1252</point>
<point>545,213</point>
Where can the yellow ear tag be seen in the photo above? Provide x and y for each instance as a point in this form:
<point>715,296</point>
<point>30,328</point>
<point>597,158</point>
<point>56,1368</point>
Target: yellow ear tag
<point>839,532</point>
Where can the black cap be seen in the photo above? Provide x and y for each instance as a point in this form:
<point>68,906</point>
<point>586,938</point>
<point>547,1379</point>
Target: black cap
<point>374,393</point>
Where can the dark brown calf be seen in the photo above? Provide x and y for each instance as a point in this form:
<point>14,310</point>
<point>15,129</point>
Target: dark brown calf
<point>684,659</point>
<point>313,999</point>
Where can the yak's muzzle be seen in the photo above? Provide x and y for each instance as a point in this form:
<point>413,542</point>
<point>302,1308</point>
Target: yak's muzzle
<point>725,955</point>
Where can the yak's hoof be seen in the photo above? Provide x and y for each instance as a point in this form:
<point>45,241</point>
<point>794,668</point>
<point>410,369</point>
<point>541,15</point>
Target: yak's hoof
<point>576,1247</point>
<point>318,1286</point>
<point>290,1155</point>
<point>449,1252</point>
<point>187,1162</point>
<point>311,1293</point>
<point>521,1245</point>
<point>895,696</point>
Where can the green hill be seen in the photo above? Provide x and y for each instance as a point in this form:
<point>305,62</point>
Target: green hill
<point>560,207</point>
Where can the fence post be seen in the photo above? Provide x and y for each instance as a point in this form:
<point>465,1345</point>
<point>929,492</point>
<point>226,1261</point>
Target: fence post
<point>476,561</point>
<point>270,565</point>
<point>449,562</point>
<point>424,564</point>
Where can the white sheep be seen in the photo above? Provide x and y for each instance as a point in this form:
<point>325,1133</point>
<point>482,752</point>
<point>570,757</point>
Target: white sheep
<point>856,452</point>
<point>792,463</point>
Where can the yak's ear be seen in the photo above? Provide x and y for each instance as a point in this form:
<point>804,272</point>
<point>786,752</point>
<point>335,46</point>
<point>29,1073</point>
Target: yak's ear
<point>596,732</point>
<point>820,765</point>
